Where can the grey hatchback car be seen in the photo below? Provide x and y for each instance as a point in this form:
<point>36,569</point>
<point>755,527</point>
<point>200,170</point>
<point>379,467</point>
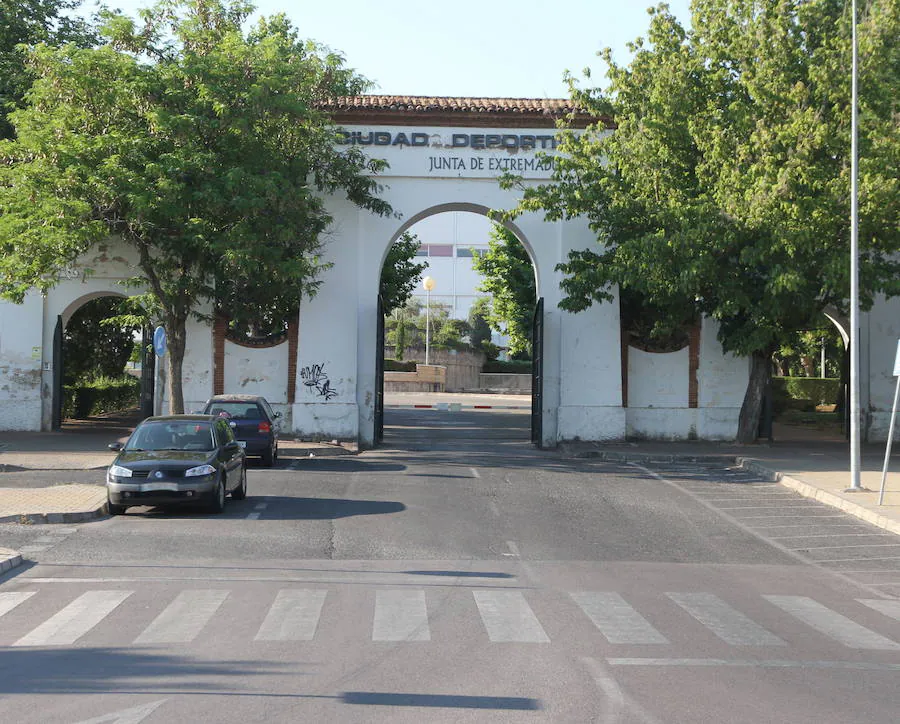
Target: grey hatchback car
<point>254,422</point>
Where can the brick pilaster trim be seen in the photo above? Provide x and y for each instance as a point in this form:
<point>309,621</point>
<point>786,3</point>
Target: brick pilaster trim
<point>693,365</point>
<point>219,326</point>
<point>293,337</point>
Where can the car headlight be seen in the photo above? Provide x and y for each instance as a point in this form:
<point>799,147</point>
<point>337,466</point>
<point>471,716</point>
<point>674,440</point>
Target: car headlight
<point>118,471</point>
<point>199,470</point>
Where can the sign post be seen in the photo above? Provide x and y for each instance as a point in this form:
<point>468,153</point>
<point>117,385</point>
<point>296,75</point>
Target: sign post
<point>890,439</point>
<point>159,346</point>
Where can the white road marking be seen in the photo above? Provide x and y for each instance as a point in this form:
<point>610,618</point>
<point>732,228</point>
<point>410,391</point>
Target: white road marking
<point>762,664</point>
<point>855,545</point>
<point>832,624</point>
<point>261,506</point>
<point>617,701</point>
<point>133,715</point>
<point>727,623</point>
<point>253,516</point>
<point>474,473</point>
<point>616,619</point>
<point>8,601</point>
<point>184,618</point>
<point>33,549</point>
<point>887,607</point>
<point>824,535</point>
<point>513,548</point>
<point>75,620</point>
<point>508,617</point>
<point>293,617</point>
<point>400,616</point>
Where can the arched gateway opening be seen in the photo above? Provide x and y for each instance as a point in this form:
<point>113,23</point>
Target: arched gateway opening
<point>458,357</point>
<point>447,155</point>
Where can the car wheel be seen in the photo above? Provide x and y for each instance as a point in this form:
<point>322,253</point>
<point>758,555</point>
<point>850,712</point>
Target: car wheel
<point>114,509</point>
<point>217,500</point>
<point>268,457</point>
<point>240,492</point>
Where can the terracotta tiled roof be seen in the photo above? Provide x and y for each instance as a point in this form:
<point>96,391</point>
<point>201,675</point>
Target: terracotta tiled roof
<point>433,110</point>
<point>426,104</point>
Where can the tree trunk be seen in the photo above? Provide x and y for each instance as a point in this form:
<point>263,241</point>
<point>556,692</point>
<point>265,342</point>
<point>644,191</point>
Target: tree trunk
<point>760,373</point>
<point>176,342</point>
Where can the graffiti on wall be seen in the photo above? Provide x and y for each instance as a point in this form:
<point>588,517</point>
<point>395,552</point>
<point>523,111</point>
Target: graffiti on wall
<point>315,378</point>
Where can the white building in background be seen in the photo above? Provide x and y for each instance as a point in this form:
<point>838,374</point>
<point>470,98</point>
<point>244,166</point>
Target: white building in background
<point>448,243</point>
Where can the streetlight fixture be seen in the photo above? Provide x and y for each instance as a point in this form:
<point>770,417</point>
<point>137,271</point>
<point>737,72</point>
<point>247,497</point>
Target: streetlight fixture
<point>428,284</point>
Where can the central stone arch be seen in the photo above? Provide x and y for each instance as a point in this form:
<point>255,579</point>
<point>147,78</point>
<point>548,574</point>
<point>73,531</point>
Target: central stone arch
<point>446,157</point>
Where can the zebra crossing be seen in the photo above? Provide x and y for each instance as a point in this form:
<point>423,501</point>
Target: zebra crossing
<point>502,616</point>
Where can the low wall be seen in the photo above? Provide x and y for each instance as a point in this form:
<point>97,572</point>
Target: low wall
<point>505,382</point>
<point>463,368</point>
<point>426,378</point>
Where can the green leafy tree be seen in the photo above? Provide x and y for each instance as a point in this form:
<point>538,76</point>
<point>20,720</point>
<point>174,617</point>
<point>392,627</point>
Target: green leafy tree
<point>400,273</point>
<point>95,343</point>
<point>27,23</point>
<point>480,327</point>
<point>724,189</point>
<point>197,145</point>
<point>509,279</point>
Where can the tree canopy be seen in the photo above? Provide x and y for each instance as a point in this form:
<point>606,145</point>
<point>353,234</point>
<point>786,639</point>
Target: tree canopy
<point>508,276</point>
<point>400,273</point>
<point>724,188</point>
<point>27,23</point>
<point>197,144</point>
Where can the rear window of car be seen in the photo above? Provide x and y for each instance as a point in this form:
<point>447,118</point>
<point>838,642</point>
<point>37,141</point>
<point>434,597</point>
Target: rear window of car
<point>236,410</point>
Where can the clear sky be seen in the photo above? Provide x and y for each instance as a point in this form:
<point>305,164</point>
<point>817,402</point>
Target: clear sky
<point>490,48</point>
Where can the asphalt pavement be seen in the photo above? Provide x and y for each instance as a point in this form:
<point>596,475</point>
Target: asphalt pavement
<point>814,464</point>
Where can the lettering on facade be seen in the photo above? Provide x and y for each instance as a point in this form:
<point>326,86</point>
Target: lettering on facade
<point>477,163</point>
<point>476,141</point>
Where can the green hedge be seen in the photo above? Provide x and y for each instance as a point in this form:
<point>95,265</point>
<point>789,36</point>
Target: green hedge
<point>393,365</point>
<point>101,395</point>
<point>512,367</point>
<point>803,393</point>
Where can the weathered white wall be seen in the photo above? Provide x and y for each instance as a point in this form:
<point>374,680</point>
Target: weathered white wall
<point>257,371</point>
<point>658,392</point>
<point>20,364</point>
<point>658,395</point>
<point>722,380</point>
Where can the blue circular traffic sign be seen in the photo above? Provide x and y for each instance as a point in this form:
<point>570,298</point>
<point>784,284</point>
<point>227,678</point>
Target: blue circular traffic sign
<point>159,341</point>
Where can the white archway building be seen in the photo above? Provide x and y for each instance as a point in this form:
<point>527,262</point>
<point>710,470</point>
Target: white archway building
<point>445,154</point>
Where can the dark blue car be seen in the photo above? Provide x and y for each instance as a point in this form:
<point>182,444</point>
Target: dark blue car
<point>253,421</point>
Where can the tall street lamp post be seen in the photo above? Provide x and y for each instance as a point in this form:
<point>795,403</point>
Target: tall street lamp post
<point>428,284</point>
<point>854,277</point>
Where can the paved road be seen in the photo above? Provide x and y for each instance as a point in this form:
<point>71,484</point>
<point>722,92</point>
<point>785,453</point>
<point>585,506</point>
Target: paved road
<point>460,575</point>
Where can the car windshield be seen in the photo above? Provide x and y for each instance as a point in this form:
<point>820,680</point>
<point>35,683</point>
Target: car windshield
<point>234,409</point>
<point>172,435</point>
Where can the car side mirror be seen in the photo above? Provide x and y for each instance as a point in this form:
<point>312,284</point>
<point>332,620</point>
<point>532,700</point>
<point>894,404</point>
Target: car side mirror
<point>233,445</point>
<point>117,446</point>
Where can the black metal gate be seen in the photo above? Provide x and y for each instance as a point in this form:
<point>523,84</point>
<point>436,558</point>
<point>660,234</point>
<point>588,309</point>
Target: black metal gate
<point>148,372</point>
<point>56,366</point>
<point>537,373</point>
<point>379,374</point>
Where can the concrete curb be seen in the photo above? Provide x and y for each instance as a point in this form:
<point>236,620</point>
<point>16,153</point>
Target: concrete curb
<point>9,559</point>
<point>80,516</point>
<point>798,486</point>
